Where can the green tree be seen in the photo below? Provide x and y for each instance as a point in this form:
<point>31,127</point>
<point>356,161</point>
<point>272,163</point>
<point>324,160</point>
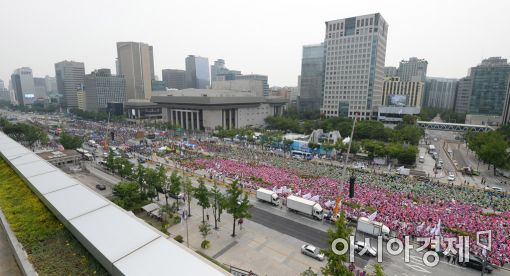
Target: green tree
<point>494,150</point>
<point>70,141</point>
<point>236,206</point>
<point>123,167</point>
<point>202,195</point>
<point>140,177</point>
<point>161,180</point>
<point>217,200</point>
<point>110,162</point>
<point>335,263</point>
<point>378,269</point>
<point>175,185</point>
<point>409,119</point>
<point>188,192</point>
<point>428,113</point>
<point>26,134</point>
<point>409,133</point>
<point>127,195</point>
<point>151,178</point>
<point>407,155</point>
<point>369,130</point>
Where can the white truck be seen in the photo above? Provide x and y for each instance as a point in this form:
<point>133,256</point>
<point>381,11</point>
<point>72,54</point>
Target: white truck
<point>305,206</point>
<point>268,196</point>
<point>432,149</point>
<point>373,228</point>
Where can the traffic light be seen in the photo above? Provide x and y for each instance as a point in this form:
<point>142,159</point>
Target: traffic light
<point>351,186</point>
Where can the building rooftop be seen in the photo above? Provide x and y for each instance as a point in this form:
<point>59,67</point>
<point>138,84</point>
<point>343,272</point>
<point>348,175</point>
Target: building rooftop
<point>123,244</point>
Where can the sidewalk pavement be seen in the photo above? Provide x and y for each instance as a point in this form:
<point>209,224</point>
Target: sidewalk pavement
<point>8,265</point>
<point>255,247</point>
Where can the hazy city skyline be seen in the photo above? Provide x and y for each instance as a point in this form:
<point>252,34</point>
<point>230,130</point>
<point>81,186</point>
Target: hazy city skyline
<point>265,38</point>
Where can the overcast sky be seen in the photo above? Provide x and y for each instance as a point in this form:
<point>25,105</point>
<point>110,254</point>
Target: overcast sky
<point>263,36</point>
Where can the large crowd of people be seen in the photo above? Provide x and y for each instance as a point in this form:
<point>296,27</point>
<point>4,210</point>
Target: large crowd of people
<point>405,205</point>
<point>403,210</point>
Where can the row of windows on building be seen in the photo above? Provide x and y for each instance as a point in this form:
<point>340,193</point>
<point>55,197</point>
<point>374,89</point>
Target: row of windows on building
<point>350,74</point>
<point>339,88</point>
<point>361,22</point>
<point>346,96</point>
<point>360,31</point>
<point>342,70</point>
<point>347,43</point>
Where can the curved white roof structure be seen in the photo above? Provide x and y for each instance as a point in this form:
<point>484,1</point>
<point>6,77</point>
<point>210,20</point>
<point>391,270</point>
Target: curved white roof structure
<point>123,244</point>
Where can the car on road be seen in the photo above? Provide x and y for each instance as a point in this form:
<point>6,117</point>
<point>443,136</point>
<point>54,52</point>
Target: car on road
<point>179,196</point>
<point>476,263</point>
<point>435,155</point>
<point>312,251</point>
<point>101,187</point>
<point>360,245</point>
<point>439,165</point>
<point>451,176</point>
<point>421,159</point>
<point>329,217</point>
<point>141,160</point>
<point>498,189</point>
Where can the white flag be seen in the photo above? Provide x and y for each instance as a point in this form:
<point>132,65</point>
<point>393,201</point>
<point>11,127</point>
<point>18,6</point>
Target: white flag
<point>372,216</point>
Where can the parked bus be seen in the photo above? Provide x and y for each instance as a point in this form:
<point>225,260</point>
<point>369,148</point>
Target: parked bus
<point>301,154</point>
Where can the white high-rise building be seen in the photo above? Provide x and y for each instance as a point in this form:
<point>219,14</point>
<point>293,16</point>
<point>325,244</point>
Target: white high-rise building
<point>23,86</point>
<point>355,50</point>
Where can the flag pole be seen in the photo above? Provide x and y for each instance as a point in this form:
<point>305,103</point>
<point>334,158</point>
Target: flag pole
<point>340,184</point>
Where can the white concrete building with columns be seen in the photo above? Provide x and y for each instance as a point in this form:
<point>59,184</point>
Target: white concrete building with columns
<point>198,109</point>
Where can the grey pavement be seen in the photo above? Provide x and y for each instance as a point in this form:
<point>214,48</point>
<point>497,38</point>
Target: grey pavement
<point>8,265</point>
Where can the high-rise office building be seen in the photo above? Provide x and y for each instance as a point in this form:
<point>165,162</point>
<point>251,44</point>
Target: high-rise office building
<point>490,83</point>
<point>174,78</point>
<point>463,95</point>
<point>440,93</point>
<point>413,69</point>
<point>136,64</point>
<point>4,92</point>
<point>262,78</point>
<point>40,88</point>
<point>23,85</point>
<point>197,72</point>
<point>220,73</point>
<point>402,93</point>
<point>506,107</point>
<point>101,88</point>
<point>51,85</point>
<point>312,77</point>
<point>70,77</point>
<point>390,71</point>
<point>354,66</point>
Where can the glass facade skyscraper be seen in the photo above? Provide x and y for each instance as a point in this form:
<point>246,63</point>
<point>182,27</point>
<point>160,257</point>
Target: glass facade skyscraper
<point>312,77</point>
<point>197,72</point>
<point>489,86</point>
